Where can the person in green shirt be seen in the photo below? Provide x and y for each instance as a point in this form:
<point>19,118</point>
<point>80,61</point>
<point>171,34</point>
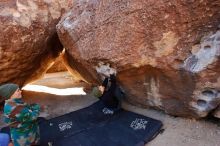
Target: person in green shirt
<point>20,116</point>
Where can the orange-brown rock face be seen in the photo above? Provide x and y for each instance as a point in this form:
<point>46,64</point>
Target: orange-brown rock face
<point>58,65</point>
<point>165,53</point>
<point>28,40</point>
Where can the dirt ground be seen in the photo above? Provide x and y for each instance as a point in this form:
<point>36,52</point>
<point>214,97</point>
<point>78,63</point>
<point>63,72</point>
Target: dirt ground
<point>177,131</point>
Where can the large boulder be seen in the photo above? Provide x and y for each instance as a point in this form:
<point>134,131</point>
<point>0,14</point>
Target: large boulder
<point>28,41</point>
<point>165,53</point>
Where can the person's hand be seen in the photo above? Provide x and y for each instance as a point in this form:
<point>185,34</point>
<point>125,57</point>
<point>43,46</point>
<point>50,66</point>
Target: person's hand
<point>101,88</point>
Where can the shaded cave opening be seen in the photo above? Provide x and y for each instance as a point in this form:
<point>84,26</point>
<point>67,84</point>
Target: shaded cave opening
<point>58,91</point>
<point>58,81</point>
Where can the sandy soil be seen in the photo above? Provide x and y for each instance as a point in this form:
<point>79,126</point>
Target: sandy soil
<point>181,131</point>
<point>177,131</point>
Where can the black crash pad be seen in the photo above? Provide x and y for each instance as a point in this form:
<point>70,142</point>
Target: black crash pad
<point>91,127</point>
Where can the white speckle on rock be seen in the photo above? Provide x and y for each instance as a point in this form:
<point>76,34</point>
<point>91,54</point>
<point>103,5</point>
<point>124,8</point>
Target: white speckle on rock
<point>54,9</point>
<point>33,8</point>
<point>48,1</point>
<point>206,55</point>
<point>16,14</point>
<point>24,20</point>
<point>28,13</point>
<point>166,45</point>
<point>105,69</point>
<point>154,97</point>
<point>43,14</point>
<point>206,101</point>
<point>166,16</point>
<point>9,12</point>
<point>21,7</point>
<point>23,38</point>
<point>67,24</point>
<point>145,60</point>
